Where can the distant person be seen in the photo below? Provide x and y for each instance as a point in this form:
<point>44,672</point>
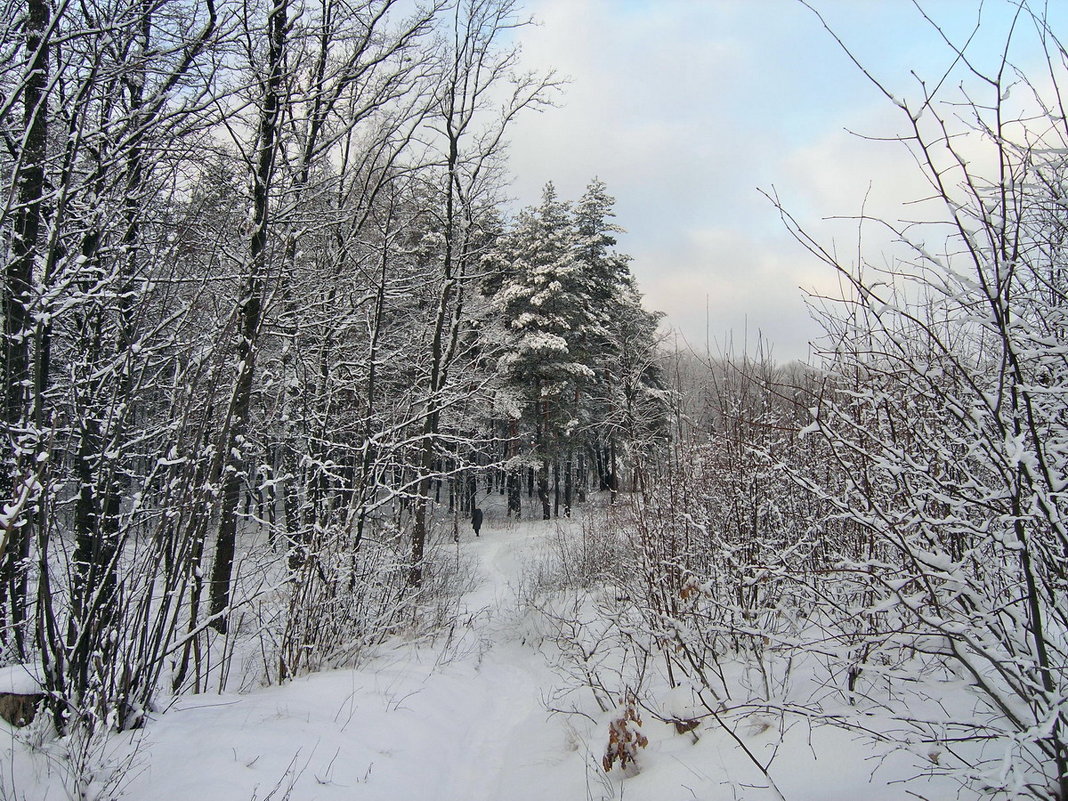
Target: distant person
<point>476,520</point>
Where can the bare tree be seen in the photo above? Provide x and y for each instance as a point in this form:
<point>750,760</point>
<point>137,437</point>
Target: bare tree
<point>355,75</point>
<point>945,412</point>
<point>476,64</point>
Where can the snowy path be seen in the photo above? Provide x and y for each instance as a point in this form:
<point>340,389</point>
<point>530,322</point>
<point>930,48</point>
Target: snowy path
<point>462,720</point>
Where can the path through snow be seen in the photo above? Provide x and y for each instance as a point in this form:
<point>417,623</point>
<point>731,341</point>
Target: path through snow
<point>463,719</point>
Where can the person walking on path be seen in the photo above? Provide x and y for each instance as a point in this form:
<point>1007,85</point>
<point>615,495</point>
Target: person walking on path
<point>476,520</point>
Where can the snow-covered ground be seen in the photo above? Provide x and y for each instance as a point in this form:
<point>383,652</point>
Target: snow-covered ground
<point>462,718</point>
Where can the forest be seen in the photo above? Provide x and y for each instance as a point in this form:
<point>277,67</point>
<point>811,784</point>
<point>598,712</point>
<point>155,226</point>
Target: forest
<point>273,330</point>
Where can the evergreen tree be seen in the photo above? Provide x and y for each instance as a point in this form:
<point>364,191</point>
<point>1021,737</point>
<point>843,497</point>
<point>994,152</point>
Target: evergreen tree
<point>546,313</point>
<point>626,396</point>
<point>578,363</point>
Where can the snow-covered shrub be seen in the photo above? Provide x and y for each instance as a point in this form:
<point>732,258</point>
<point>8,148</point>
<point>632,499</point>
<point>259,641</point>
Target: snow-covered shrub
<point>339,603</point>
<point>85,765</point>
<point>944,416</point>
<point>713,546</point>
<point>579,559</point>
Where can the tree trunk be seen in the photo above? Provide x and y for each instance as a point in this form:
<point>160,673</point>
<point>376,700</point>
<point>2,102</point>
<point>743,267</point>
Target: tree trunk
<point>543,490</point>
<point>613,477</point>
<point>17,300</point>
<point>250,311</point>
<point>568,484</point>
<point>556,488</point>
<point>515,495</point>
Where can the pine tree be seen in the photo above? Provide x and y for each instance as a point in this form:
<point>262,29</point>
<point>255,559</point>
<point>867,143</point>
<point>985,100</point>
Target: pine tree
<point>579,364</point>
<point>626,397</point>
<point>546,310</point>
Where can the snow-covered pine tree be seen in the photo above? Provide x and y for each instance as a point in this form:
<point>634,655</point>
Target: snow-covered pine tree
<point>624,405</point>
<point>635,407</point>
<point>547,316</point>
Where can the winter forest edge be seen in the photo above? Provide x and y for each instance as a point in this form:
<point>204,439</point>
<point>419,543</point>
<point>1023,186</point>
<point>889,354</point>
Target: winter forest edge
<point>272,332</point>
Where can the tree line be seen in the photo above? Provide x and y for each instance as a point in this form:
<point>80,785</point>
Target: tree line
<point>261,289</point>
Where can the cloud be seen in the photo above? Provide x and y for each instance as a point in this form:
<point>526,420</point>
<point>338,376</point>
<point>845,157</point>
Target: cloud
<point>719,284</point>
<point>662,108</point>
<point>685,108</point>
<point>641,99</point>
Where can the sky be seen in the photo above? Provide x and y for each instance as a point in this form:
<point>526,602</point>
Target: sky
<point>686,109</point>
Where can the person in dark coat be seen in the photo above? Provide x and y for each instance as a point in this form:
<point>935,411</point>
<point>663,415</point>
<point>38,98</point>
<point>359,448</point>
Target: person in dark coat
<point>476,520</point>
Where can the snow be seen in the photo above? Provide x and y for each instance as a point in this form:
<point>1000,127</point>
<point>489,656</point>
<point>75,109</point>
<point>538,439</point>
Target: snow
<point>20,679</point>
<point>466,718</point>
<point>461,718</point>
